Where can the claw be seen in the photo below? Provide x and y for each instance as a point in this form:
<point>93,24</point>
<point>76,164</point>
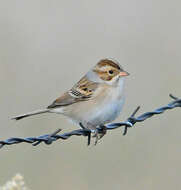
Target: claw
<point>95,135</point>
<point>103,131</point>
<point>98,134</point>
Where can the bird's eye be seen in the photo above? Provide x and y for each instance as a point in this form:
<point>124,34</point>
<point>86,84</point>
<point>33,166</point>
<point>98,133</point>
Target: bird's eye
<point>111,72</point>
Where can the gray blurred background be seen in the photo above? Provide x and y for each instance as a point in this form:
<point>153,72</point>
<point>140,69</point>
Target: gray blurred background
<point>46,46</point>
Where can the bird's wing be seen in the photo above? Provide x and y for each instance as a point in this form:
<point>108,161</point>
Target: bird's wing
<point>82,91</point>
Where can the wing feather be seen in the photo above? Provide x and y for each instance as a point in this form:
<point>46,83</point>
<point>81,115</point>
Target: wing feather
<point>82,91</point>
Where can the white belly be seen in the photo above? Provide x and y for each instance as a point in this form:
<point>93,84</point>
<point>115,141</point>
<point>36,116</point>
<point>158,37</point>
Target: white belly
<point>109,111</point>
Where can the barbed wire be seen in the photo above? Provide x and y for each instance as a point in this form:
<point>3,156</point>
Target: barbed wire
<point>130,122</point>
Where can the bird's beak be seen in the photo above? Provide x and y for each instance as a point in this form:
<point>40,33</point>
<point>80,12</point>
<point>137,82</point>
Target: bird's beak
<point>124,74</point>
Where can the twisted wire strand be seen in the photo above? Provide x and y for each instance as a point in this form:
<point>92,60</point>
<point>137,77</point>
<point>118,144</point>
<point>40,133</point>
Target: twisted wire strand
<point>130,122</point>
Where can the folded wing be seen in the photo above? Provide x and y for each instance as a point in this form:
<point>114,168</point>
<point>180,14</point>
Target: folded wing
<point>82,91</point>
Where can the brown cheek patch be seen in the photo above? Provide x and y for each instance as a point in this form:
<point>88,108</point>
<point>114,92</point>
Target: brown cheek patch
<point>104,75</point>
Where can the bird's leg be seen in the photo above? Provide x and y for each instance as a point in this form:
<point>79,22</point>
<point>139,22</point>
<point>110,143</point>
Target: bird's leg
<point>99,133</point>
<point>103,131</point>
<point>96,135</point>
<point>91,129</point>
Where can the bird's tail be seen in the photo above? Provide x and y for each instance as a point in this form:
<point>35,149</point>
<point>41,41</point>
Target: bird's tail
<point>30,114</point>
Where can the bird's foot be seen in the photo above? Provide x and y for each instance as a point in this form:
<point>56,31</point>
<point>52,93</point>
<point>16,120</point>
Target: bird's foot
<point>103,131</point>
<point>99,133</point>
<point>95,135</point>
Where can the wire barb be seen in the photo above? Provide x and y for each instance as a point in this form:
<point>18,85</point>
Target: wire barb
<point>174,97</point>
<point>130,122</point>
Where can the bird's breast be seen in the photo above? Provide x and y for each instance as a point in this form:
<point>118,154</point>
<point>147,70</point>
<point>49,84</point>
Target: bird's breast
<point>101,109</point>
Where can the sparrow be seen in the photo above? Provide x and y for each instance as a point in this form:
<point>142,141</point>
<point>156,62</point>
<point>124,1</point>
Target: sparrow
<point>96,99</point>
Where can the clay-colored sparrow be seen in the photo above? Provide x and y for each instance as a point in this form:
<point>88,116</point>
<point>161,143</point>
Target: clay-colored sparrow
<point>95,100</point>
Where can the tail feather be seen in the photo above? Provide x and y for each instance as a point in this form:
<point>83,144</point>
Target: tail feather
<point>30,114</point>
